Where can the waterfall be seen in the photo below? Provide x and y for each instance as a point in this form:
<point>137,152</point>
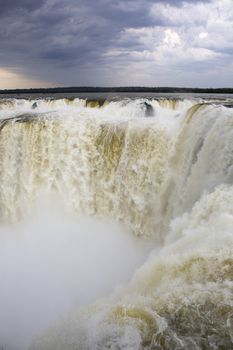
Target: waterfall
<point>163,168</point>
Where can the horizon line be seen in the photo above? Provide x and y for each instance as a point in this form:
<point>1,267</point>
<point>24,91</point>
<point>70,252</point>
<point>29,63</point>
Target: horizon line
<point>84,89</point>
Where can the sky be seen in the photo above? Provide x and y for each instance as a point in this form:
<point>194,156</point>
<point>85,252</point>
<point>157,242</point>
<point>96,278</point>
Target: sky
<point>45,43</point>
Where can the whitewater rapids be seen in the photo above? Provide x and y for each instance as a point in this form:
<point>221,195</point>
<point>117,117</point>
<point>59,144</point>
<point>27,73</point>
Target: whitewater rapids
<point>161,167</point>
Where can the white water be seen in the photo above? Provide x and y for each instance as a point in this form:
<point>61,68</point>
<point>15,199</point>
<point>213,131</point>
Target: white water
<point>52,263</point>
<point>167,175</point>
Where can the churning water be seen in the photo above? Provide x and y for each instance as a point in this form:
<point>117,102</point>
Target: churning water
<point>116,224</point>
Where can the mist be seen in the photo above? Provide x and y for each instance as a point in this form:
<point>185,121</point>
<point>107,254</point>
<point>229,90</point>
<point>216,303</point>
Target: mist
<point>54,262</point>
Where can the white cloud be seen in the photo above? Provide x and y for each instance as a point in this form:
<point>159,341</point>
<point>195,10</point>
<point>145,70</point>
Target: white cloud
<point>171,39</point>
<point>192,38</point>
<point>195,21</point>
<point>203,35</point>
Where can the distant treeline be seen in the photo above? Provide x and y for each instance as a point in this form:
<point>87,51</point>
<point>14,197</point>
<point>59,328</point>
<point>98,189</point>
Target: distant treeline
<point>136,89</point>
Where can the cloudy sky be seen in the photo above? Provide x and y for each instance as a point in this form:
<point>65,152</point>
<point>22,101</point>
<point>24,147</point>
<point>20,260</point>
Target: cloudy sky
<point>116,43</point>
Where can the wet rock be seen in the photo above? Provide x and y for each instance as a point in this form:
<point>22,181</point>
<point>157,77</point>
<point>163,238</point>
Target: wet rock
<point>149,110</point>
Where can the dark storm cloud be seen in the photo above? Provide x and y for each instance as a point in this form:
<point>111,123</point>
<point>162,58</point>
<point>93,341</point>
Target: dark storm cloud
<point>61,31</point>
<point>10,6</point>
<point>43,24</point>
<point>60,40</point>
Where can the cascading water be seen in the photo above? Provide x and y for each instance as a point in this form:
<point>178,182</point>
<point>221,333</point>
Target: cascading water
<point>163,168</point>
<point>107,161</point>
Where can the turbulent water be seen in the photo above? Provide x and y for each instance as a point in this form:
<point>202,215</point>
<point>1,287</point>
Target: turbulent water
<point>163,168</point>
